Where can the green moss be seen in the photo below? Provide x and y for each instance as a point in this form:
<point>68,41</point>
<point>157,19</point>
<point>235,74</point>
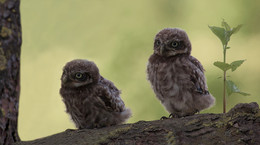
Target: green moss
<point>149,128</point>
<point>5,32</point>
<point>3,60</point>
<point>257,114</point>
<point>2,112</point>
<point>241,114</point>
<point>251,132</point>
<point>218,123</point>
<point>170,138</point>
<point>113,134</point>
<point>194,121</point>
<point>2,1</point>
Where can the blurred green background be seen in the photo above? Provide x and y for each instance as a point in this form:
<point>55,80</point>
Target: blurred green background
<point>118,35</point>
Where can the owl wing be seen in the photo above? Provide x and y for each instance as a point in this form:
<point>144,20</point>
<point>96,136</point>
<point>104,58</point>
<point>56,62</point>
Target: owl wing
<point>109,97</point>
<point>197,76</point>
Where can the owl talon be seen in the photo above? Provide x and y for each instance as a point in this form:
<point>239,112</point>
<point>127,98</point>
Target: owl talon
<point>163,118</point>
<point>173,116</point>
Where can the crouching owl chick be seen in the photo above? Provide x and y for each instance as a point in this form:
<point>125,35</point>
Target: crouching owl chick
<point>177,78</point>
<point>91,100</point>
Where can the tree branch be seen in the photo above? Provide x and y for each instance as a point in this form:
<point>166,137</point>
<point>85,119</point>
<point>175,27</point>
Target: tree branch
<point>241,125</point>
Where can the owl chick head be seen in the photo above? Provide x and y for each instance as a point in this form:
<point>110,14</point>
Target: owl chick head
<point>79,72</point>
<point>172,41</point>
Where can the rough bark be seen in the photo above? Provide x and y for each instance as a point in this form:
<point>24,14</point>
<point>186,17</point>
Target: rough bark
<point>241,125</point>
<point>10,48</point>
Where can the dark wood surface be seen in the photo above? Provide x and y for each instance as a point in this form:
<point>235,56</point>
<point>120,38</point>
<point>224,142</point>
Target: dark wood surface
<point>10,49</point>
<point>241,125</point>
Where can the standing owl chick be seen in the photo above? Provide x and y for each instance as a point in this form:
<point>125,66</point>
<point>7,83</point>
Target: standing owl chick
<point>177,78</point>
<point>91,100</point>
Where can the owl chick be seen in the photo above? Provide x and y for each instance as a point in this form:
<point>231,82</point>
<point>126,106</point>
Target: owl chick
<point>91,100</point>
<point>176,77</point>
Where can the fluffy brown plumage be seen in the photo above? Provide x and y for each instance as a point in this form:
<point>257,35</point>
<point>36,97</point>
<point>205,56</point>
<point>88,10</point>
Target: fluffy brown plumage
<point>177,78</point>
<point>91,100</point>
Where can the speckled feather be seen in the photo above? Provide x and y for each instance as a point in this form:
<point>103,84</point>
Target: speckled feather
<point>177,78</point>
<point>93,105</point>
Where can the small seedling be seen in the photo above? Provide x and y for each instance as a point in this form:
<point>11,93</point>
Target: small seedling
<point>224,33</point>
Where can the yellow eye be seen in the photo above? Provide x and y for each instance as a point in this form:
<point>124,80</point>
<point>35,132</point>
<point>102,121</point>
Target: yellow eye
<point>175,44</point>
<point>78,75</point>
<point>157,42</point>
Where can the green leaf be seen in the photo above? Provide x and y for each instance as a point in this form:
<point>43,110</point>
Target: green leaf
<point>236,29</point>
<point>219,77</point>
<point>227,47</point>
<point>232,88</point>
<point>243,93</point>
<point>223,66</point>
<point>220,33</point>
<point>236,64</point>
<point>225,25</point>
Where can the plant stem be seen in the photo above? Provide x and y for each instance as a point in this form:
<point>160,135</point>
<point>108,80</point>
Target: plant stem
<point>224,93</point>
<point>224,89</point>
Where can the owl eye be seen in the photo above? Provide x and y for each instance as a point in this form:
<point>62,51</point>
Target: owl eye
<point>175,44</point>
<point>80,76</point>
<point>157,42</point>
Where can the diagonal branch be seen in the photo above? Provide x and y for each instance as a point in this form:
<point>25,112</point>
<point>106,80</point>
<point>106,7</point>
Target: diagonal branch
<point>241,125</point>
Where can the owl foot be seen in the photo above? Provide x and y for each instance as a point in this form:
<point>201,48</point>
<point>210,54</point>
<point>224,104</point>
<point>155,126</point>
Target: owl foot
<point>68,130</point>
<point>197,112</point>
<point>163,118</point>
<point>170,116</point>
<point>174,116</point>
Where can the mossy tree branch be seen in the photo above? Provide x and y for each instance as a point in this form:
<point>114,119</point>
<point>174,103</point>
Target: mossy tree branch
<point>241,125</point>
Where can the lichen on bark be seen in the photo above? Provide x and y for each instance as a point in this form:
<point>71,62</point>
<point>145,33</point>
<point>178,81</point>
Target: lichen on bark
<point>2,59</point>
<point>2,1</point>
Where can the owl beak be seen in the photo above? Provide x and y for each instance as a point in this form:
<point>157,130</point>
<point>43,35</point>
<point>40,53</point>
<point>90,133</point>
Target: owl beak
<point>162,50</point>
<point>64,79</point>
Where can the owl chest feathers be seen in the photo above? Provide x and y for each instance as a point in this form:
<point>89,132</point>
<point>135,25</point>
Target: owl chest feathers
<point>168,77</point>
<point>77,101</point>
<point>101,97</point>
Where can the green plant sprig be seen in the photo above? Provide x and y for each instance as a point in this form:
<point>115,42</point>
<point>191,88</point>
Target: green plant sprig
<point>224,33</point>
